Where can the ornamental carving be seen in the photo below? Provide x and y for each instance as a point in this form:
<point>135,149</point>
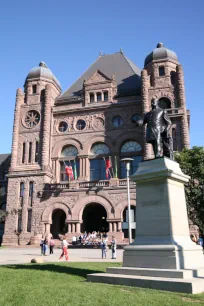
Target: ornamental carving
<point>97,77</point>
<point>99,123</point>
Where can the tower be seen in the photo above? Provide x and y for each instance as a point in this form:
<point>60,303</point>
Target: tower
<point>162,78</point>
<point>30,159</point>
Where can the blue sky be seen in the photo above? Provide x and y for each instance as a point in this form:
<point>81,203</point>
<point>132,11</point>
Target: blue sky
<point>68,36</point>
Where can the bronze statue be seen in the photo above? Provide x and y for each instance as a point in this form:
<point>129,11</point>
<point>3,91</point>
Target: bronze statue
<point>157,133</point>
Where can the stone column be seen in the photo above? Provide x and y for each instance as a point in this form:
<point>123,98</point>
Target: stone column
<point>69,228</point>
<point>47,228</point>
<point>145,109</point>
<point>182,102</point>
<point>119,226</point>
<point>26,152</point>
<point>33,152</point>
<point>19,101</point>
<point>73,228</point>
<point>46,127</point>
<point>110,227</point>
<point>78,228</point>
<point>95,97</point>
<point>114,226</point>
<point>25,208</point>
<point>102,96</point>
<point>57,171</point>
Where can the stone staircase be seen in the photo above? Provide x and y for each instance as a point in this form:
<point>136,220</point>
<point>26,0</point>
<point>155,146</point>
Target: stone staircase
<point>188,281</point>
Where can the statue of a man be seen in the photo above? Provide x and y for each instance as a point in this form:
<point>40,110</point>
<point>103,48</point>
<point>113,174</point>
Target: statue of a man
<point>157,133</point>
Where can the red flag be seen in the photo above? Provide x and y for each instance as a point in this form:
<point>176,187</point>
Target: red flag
<point>69,171</point>
<point>108,166</point>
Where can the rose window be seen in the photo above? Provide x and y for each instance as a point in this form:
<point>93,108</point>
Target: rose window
<point>32,119</point>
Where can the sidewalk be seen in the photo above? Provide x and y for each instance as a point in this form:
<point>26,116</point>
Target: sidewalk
<point>10,256</point>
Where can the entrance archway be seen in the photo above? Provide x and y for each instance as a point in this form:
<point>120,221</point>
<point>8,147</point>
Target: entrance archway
<point>58,225</point>
<point>94,218</point>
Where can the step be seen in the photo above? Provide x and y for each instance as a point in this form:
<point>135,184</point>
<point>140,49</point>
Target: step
<point>167,273</point>
<point>193,285</point>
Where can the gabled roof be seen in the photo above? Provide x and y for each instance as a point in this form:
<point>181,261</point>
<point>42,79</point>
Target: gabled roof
<point>126,72</point>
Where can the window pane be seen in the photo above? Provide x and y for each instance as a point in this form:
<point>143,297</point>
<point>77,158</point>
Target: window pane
<point>161,71</point>
<point>91,98</point>
<point>31,189</point>
<point>98,96</point>
<point>97,170</point>
<point>63,174</point>
<point>21,189</point>
<point>105,94</point>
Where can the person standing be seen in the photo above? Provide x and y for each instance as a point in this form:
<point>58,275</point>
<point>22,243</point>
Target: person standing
<point>104,248</point>
<point>113,247</point>
<point>42,246</point>
<point>52,244</point>
<point>64,246</point>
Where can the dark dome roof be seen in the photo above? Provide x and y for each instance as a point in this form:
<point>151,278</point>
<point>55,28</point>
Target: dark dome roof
<point>159,53</point>
<point>42,71</point>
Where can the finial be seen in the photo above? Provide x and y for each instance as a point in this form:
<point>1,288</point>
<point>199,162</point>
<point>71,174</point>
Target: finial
<point>42,64</point>
<point>160,45</point>
<point>121,50</point>
<point>100,53</point>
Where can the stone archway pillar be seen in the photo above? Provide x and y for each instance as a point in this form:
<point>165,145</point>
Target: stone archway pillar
<point>78,228</point>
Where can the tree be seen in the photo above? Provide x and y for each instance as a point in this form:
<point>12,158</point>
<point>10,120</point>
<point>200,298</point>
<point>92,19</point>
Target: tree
<point>192,163</point>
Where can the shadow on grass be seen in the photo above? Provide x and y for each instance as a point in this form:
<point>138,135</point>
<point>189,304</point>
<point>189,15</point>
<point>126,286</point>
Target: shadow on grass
<point>54,268</point>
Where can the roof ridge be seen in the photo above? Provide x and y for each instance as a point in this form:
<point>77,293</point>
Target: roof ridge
<point>80,76</point>
<point>130,63</point>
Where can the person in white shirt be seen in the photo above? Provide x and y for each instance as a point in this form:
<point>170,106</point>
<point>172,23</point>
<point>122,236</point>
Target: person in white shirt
<point>64,245</point>
<point>74,239</point>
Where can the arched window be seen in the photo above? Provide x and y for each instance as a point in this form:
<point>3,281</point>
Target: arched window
<point>135,118</point>
<point>173,77</point>
<point>131,146</point>
<point>97,163</point>
<point>69,151</point>
<point>105,96</point>
<point>91,97</point>
<point>130,149</point>
<point>36,151</point>
<point>164,103</point>
<point>69,156</point>
<point>99,98</point>
<point>100,148</point>
<point>23,153</point>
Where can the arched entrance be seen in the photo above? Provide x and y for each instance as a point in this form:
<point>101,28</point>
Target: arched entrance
<point>58,225</point>
<point>94,218</point>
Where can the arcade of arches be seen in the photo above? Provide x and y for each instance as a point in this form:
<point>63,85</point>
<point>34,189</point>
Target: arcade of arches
<point>94,218</point>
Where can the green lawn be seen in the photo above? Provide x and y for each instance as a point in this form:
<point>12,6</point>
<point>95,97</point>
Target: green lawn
<point>65,284</point>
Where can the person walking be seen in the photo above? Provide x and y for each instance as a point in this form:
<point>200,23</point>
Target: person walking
<point>52,244</point>
<point>64,246</point>
<point>104,248</point>
<point>42,246</point>
<point>113,247</point>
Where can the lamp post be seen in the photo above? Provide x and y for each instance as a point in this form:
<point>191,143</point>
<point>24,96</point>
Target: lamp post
<point>127,162</point>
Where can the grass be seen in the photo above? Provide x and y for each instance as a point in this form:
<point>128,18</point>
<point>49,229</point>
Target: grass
<point>65,284</point>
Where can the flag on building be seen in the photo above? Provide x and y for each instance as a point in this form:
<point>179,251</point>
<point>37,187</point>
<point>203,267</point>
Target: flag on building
<point>75,170</point>
<point>69,171</point>
<point>108,166</point>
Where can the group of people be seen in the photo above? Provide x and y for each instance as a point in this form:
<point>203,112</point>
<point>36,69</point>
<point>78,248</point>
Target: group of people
<point>47,246</point>
<point>104,247</point>
<point>93,238</point>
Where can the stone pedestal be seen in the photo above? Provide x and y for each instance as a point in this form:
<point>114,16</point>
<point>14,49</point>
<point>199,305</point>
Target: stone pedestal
<point>162,229</point>
<point>162,256</point>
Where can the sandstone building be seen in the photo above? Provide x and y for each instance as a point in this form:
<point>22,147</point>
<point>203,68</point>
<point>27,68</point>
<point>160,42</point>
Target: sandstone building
<point>90,121</point>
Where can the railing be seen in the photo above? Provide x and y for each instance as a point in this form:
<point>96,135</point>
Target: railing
<point>123,182</point>
<point>59,186</point>
<point>94,184</point>
<point>173,111</point>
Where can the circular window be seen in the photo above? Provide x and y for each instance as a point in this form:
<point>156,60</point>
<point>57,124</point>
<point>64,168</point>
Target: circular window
<point>135,118</point>
<point>81,124</point>
<point>63,126</point>
<point>32,118</point>
<point>117,121</point>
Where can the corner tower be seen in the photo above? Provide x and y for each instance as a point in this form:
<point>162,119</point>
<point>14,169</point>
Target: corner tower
<point>30,157</point>
<point>162,78</point>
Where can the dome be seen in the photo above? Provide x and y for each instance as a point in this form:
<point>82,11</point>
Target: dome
<point>160,53</point>
<point>42,71</point>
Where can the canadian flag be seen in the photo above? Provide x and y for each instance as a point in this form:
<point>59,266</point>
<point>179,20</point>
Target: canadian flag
<point>108,166</point>
<point>69,171</point>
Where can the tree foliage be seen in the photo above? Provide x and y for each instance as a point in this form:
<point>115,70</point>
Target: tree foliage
<point>192,163</point>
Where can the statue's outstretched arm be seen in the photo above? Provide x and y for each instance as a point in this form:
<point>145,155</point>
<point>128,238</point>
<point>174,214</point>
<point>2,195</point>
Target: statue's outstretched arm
<point>167,121</point>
